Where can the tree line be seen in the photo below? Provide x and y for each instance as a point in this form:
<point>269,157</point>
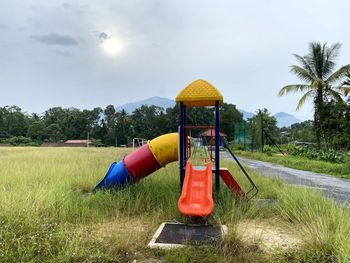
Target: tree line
<point>114,128</point>
<point>105,126</point>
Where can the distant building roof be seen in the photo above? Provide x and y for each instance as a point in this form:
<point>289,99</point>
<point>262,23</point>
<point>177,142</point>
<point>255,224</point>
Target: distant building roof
<point>78,141</point>
<point>211,132</point>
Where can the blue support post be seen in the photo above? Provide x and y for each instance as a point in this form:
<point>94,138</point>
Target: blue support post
<point>181,135</point>
<point>217,147</point>
<point>185,137</point>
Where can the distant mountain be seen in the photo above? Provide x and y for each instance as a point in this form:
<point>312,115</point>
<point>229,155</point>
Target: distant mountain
<point>285,119</point>
<point>157,101</point>
<point>246,114</point>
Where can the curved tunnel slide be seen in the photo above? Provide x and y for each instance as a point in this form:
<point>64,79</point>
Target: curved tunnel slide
<point>149,158</point>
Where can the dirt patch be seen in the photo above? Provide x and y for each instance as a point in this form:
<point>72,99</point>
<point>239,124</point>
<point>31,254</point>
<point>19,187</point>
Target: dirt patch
<point>128,236</point>
<point>267,236</point>
<point>124,232</point>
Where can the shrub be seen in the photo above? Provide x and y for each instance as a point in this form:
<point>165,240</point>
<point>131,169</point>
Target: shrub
<point>22,141</point>
<point>268,150</point>
<point>96,143</point>
<point>4,140</point>
<point>328,155</point>
<point>236,146</point>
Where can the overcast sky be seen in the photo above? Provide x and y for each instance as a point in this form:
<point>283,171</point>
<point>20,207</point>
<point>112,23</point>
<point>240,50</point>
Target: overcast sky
<point>94,53</point>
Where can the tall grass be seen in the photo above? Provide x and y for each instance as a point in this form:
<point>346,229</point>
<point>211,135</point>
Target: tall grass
<point>47,213</point>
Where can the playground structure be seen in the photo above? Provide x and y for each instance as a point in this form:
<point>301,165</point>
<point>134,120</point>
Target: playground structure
<point>138,142</point>
<point>196,199</point>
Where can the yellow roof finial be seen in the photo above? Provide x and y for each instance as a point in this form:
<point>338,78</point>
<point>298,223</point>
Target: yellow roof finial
<point>199,93</point>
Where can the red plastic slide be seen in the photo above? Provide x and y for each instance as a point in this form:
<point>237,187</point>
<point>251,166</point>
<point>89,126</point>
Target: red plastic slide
<point>196,198</point>
<point>232,184</point>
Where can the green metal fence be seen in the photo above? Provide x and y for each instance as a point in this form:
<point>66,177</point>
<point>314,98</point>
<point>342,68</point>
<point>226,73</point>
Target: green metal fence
<point>243,135</point>
<point>254,135</point>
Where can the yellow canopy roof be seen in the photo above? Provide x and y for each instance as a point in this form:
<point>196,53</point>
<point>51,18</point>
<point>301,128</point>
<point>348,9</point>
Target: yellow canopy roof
<point>199,93</point>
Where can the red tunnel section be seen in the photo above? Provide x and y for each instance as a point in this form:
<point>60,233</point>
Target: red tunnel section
<point>141,163</point>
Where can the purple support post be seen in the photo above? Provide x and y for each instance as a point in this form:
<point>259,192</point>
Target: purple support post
<point>181,135</point>
<point>217,147</point>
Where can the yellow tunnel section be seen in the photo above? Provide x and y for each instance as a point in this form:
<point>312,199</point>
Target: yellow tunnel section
<point>165,148</point>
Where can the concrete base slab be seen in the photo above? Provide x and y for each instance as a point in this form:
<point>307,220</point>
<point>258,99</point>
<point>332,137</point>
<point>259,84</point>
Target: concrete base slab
<point>174,235</point>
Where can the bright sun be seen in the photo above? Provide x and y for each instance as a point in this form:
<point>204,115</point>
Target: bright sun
<point>112,47</point>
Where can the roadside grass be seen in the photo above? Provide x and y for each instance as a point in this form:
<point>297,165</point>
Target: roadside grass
<point>47,214</point>
<point>341,170</point>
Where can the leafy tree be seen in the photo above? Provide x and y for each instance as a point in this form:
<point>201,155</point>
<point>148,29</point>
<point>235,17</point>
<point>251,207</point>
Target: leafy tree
<point>36,130</point>
<point>170,121</point>
<point>101,133</point>
<point>317,70</point>
<point>123,128</point>
<point>302,131</point>
<point>110,117</point>
<point>3,132</point>
<point>94,117</point>
<point>15,120</point>
<point>71,124</point>
<point>336,125</point>
<point>35,117</point>
<point>145,121</point>
<point>229,115</point>
<point>56,115</point>
<point>263,128</point>
<point>200,116</point>
<point>95,130</point>
<point>53,132</point>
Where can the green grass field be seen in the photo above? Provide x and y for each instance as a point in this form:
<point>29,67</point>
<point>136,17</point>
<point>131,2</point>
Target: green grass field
<point>341,170</point>
<point>48,215</point>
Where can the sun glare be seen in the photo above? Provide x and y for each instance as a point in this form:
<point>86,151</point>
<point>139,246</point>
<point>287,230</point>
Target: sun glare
<point>112,47</point>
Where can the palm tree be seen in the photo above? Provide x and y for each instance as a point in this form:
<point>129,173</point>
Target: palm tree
<point>346,83</point>
<point>321,81</point>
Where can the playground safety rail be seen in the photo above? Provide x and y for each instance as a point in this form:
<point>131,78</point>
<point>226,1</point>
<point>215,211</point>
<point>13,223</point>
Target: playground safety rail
<point>254,189</point>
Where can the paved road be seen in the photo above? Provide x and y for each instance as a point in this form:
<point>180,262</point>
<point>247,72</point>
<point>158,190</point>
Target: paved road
<point>331,186</point>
